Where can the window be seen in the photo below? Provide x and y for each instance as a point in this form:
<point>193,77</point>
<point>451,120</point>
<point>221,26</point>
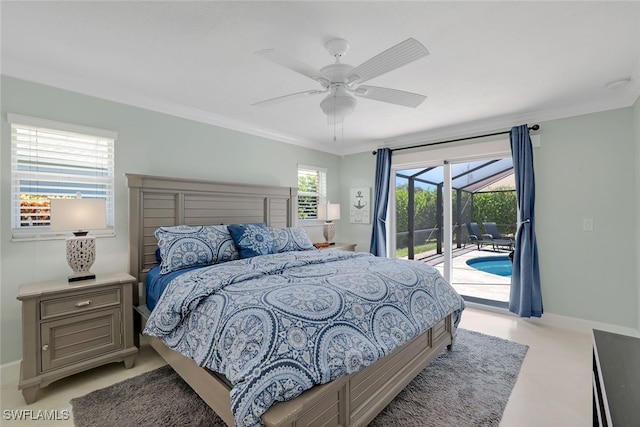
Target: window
<point>312,190</point>
<point>56,160</point>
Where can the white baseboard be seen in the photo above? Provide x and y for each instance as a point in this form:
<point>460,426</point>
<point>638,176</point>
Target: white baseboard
<point>10,373</point>
<point>581,325</point>
<point>563,322</point>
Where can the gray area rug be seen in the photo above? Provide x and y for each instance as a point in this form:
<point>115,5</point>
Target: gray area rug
<point>468,386</point>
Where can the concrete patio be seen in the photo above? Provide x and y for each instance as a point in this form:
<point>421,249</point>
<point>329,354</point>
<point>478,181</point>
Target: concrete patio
<point>468,281</point>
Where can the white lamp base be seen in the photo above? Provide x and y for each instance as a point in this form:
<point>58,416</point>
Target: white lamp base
<point>328,231</point>
<point>81,253</point>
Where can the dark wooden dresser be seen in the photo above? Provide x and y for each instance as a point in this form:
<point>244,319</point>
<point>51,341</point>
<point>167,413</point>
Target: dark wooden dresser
<point>616,380</point>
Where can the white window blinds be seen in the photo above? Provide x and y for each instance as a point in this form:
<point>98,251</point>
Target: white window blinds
<point>312,190</point>
<point>56,160</point>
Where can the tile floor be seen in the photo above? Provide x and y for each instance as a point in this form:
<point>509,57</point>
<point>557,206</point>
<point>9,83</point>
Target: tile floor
<point>554,385</point>
<point>553,388</point>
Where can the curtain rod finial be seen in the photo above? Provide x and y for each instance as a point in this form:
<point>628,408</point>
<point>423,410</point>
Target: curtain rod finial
<point>535,127</point>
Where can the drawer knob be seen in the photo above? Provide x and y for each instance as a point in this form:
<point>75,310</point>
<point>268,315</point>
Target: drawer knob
<point>83,303</point>
<point>45,347</point>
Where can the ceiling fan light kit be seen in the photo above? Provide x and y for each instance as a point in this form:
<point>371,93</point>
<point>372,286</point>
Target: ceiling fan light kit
<point>342,82</point>
<point>338,105</point>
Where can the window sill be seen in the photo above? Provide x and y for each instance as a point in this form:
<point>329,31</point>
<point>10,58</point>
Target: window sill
<point>20,237</point>
<point>311,222</point>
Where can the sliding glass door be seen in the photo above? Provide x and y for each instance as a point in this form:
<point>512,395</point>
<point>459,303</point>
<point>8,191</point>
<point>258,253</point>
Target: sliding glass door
<point>485,217</point>
<point>444,213</point>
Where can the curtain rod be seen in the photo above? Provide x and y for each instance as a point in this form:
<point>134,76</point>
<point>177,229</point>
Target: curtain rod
<point>534,127</point>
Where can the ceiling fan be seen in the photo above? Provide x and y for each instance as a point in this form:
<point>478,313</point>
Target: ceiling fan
<point>342,81</point>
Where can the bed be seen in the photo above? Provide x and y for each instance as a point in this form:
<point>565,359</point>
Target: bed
<point>345,397</point>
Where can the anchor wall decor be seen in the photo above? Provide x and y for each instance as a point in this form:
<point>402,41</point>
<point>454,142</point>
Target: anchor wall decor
<point>360,205</point>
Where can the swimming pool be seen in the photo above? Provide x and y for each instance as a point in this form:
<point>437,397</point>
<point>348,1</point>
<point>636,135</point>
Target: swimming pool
<point>500,265</point>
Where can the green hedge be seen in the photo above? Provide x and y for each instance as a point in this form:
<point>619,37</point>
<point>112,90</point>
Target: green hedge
<point>497,206</point>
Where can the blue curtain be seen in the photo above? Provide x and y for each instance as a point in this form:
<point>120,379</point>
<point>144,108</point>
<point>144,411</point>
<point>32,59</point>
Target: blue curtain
<point>380,203</point>
<point>526,298</point>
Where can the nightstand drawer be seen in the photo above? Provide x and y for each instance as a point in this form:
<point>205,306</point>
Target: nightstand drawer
<point>73,339</point>
<point>79,303</point>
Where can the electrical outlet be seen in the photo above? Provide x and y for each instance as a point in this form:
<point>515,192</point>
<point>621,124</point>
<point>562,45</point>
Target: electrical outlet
<point>587,224</point>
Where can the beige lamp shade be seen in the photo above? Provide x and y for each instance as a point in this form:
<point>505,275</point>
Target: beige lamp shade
<point>78,214</point>
<point>333,211</point>
<point>329,211</point>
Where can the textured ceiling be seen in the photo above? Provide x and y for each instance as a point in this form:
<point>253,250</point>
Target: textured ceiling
<point>491,64</point>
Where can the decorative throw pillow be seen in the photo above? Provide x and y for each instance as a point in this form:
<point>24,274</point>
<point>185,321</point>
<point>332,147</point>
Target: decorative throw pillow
<point>184,246</point>
<point>252,239</point>
<point>291,239</point>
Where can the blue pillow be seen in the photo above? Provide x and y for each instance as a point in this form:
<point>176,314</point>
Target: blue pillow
<point>184,246</point>
<point>252,239</point>
<point>291,239</point>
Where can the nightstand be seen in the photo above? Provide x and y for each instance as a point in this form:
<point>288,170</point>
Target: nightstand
<point>343,246</point>
<point>71,327</point>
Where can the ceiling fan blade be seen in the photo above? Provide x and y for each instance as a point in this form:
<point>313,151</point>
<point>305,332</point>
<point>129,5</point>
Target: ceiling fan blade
<point>293,64</point>
<point>392,58</point>
<point>392,96</point>
<point>283,98</point>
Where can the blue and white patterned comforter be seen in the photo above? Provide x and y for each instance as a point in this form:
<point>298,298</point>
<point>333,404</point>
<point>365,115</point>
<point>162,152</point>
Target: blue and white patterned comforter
<point>275,325</point>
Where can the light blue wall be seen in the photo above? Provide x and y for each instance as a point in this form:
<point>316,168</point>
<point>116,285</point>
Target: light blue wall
<point>148,143</point>
<point>586,167</point>
<point>357,170</point>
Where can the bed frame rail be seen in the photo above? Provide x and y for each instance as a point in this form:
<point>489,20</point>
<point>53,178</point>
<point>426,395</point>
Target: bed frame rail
<point>350,401</point>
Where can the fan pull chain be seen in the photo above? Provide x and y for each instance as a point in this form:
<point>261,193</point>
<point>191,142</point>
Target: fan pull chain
<point>334,115</point>
<point>342,140</point>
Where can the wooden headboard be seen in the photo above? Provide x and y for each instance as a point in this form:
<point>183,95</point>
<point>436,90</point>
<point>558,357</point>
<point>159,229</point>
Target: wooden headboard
<point>161,201</point>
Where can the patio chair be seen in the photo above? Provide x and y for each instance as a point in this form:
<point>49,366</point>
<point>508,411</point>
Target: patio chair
<point>499,240</point>
<point>476,236</point>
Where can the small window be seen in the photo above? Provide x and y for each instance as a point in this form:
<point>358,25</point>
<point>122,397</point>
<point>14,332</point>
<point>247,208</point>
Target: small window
<point>312,190</point>
<point>56,160</point>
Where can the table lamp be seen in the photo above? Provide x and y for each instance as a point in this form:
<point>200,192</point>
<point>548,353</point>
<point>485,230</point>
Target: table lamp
<point>330,212</point>
<point>79,215</point>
